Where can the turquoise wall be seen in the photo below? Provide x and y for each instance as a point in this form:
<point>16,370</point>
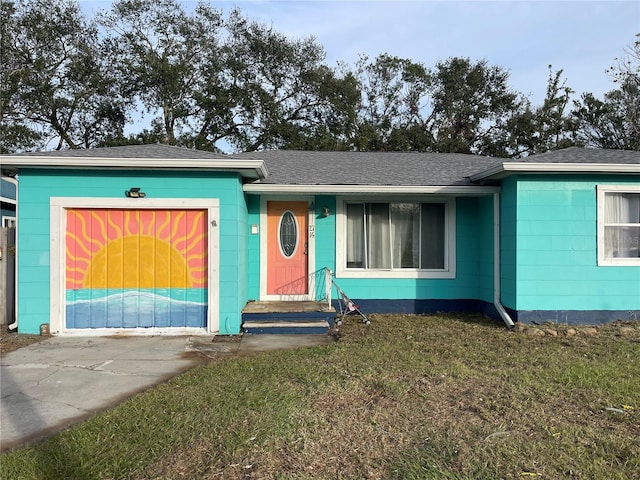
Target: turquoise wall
<point>556,248</point>
<point>508,244</point>
<point>37,186</point>
<point>474,257</point>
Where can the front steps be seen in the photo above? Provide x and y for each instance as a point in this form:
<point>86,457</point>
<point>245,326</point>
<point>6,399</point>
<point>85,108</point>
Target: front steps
<point>303,317</point>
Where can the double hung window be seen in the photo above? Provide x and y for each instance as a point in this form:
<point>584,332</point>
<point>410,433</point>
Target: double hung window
<point>618,225</point>
<point>397,239</point>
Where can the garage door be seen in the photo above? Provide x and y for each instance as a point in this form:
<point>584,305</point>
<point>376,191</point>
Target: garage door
<point>136,268</point>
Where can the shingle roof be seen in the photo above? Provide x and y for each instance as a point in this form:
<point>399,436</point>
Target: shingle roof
<point>289,167</point>
<point>130,151</point>
<point>584,155</point>
<point>571,160</point>
<point>135,157</point>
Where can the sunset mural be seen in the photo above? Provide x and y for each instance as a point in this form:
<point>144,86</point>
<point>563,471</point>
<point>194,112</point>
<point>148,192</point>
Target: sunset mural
<point>136,268</point>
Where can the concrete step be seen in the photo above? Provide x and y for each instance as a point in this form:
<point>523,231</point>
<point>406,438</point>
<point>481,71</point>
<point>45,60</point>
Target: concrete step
<point>286,327</point>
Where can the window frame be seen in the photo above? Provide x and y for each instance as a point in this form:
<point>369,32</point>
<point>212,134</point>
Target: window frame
<point>602,190</point>
<point>8,221</point>
<point>449,270</point>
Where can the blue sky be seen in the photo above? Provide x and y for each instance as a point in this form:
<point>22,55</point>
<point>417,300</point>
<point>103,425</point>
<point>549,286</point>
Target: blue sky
<point>523,37</point>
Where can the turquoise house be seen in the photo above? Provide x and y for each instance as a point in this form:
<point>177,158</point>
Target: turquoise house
<point>155,239</point>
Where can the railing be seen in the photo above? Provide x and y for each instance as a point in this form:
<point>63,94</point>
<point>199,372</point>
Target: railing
<point>319,282</point>
<point>328,287</point>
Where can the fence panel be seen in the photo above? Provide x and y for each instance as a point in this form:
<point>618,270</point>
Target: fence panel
<point>7,276</point>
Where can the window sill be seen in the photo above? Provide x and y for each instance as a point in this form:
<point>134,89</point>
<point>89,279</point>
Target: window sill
<point>405,273</point>
<point>619,262</point>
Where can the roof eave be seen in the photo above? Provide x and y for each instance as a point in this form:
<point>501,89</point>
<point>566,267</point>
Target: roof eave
<point>251,169</point>
<point>505,169</point>
<point>270,188</point>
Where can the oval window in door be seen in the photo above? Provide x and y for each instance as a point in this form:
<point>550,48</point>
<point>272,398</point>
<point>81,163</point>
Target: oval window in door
<point>288,233</point>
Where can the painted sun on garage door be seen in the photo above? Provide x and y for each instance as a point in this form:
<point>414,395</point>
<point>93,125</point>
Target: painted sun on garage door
<point>136,268</point>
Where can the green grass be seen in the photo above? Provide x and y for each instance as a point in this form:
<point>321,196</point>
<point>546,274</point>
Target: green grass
<point>409,397</point>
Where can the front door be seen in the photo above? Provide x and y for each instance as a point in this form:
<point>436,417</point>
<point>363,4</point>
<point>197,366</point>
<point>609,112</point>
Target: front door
<point>287,249</point>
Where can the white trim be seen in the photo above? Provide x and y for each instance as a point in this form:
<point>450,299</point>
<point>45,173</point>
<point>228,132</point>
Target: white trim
<point>10,218</point>
<point>247,168</point>
<point>311,249</point>
<point>368,189</point>
<point>505,168</point>
<point>448,272</point>
<point>57,207</point>
<point>601,191</point>
<point>8,200</point>
<point>14,325</point>
<point>136,332</point>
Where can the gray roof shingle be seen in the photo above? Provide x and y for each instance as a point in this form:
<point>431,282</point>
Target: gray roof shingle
<point>584,155</point>
<point>292,167</point>
<point>131,151</point>
<point>289,167</point>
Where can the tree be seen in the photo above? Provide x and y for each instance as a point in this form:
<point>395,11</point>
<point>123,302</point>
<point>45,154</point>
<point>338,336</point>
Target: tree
<point>394,91</point>
<point>459,107</point>
<point>470,106</point>
<point>614,121</point>
<point>605,123</point>
<point>160,52</point>
<point>212,83</point>
<point>532,130</point>
<point>280,93</point>
<point>55,85</point>
<point>15,132</point>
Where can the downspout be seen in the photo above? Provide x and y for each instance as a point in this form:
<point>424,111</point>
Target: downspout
<point>14,326</point>
<point>496,262</point>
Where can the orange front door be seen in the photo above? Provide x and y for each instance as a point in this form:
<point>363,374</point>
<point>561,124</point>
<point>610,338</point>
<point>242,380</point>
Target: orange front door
<point>287,248</point>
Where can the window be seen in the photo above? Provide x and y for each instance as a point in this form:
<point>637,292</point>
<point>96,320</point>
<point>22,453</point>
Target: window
<point>396,239</point>
<point>288,234</point>
<point>618,225</point>
<point>8,222</point>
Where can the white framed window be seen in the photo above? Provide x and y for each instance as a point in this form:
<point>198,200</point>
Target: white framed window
<point>618,225</point>
<point>405,238</point>
<point>8,222</point>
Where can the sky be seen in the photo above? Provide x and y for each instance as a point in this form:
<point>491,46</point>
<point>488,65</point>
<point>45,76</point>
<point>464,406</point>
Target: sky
<point>523,37</point>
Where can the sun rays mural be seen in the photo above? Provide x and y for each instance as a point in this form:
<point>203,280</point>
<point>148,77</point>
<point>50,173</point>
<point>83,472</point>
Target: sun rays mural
<point>136,268</point>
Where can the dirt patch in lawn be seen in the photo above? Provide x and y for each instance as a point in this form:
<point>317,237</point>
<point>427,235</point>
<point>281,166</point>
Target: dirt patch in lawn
<point>10,341</point>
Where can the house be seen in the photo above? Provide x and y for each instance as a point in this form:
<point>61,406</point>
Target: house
<point>159,239</point>
<point>8,201</point>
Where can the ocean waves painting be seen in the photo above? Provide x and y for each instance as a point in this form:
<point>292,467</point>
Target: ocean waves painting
<point>136,308</point>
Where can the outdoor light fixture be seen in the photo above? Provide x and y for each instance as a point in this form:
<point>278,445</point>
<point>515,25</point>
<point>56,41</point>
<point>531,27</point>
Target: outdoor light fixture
<point>134,192</point>
<point>325,211</point>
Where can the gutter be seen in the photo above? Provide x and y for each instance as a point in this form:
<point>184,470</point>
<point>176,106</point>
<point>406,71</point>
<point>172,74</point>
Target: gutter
<point>496,263</point>
<point>298,189</point>
<point>251,169</point>
<point>505,169</point>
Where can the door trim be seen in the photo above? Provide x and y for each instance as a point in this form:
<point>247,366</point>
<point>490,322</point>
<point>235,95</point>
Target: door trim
<point>311,257</point>
<point>57,262</point>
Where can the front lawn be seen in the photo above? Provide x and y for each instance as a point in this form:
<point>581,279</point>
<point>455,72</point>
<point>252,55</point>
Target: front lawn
<point>408,397</point>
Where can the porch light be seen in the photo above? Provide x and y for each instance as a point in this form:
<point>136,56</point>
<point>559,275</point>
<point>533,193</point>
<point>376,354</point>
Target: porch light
<point>134,192</point>
<point>325,211</point>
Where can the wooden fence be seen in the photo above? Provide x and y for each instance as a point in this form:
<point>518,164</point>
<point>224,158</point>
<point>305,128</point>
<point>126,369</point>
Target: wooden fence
<point>7,276</point>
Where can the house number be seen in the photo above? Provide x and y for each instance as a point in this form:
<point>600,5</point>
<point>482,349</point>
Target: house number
<point>312,231</point>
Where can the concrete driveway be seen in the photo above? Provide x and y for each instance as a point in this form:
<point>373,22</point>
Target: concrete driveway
<point>50,385</point>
